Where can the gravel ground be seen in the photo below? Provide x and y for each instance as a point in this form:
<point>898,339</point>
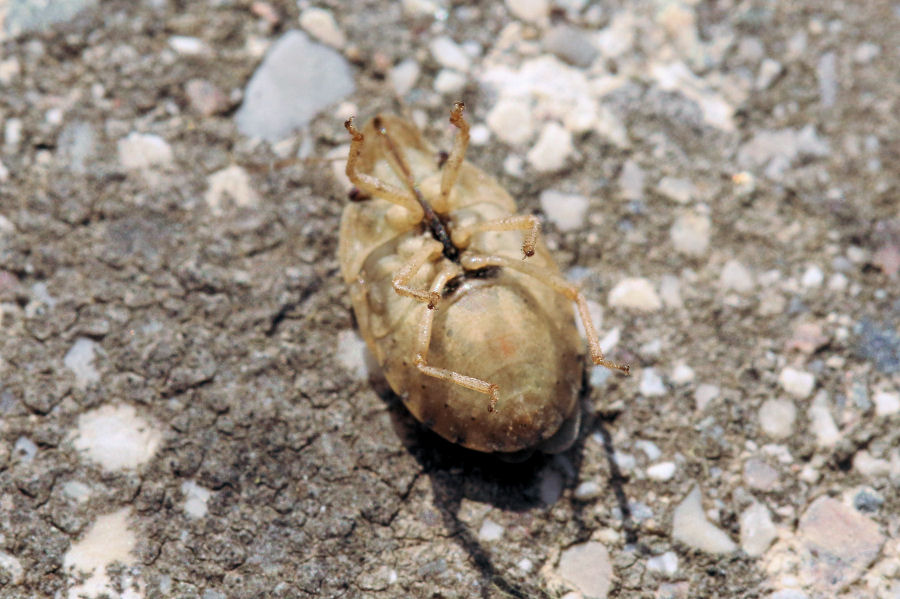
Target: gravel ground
<point>186,409</point>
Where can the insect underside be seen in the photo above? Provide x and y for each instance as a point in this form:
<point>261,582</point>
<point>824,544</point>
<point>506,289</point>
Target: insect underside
<point>456,295</point>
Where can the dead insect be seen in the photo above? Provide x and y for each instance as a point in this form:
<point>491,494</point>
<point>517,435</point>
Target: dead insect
<point>480,344</point>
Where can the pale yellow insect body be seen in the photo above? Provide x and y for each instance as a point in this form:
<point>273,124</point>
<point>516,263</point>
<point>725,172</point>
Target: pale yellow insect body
<point>480,345</point>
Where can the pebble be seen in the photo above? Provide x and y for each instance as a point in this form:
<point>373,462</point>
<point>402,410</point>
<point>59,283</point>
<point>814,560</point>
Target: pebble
<point>777,417</point>
<point>736,277</point>
<point>77,490</point>
<point>80,360</point>
<point>114,436</point>
<point>667,563</point>
<point>552,149</point>
<point>797,383</point>
<point>449,54</point>
<point>652,384</point>
<point>821,422</point>
<point>886,403</point>
<point>109,539</point>
<point>511,121</point>
<point>404,75</point>
<point>351,353</point>
<point>143,151</point>
<point>769,71</point>
<point>813,277</point>
<point>675,76</point>
<point>449,82</point>
<point>568,211</point>
<point>661,472</point>
<point>24,450</point>
<point>533,11</point>
<point>757,529</point>
<point>759,475</point>
<point>631,180</point>
<point>188,46</point>
<point>866,52</point>
<point>704,395</point>
<point>76,146</point>
<point>588,490</point>
<point>880,343</point>
<point>680,191</point>
<point>587,568</point>
<point>320,23</point>
<point>650,449</point>
<point>867,500</point>
<point>231,183</point>
<point>635,294</point>
<point>195,499</point>
<point>296,80</point>
<point>670,291</point>
<point>690,526</point>
<point>869,466</point>
<point>571,45</point>
<point>690,234</point>
<point>807,337</point>
<point>13,568</point>
<point>839,544</point>
<point>826,71</point>
<point>205,98</point>
<point>490,531</point>
<point>683,374</point>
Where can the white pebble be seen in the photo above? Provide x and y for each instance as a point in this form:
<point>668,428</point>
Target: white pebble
<point>635,294</point>
<point>812,277</point>
<point>351,353</point>
<point>12,133</point>
<point>195,499</point>
<point>449,82</point>
<point>736,277</point>
<point>838,282</point>
<point>690,234</point>
<point>80,360</point>
<point>798,383</point>
<point>588,490</point>
<point>404,76</point>
<point>231,183</point>
<point>479,135</point>
<point>631,180</point>
<point>24,450</point>
<point>320,24</point>
<point>678,190</point>
<point>869,466</point>
<point>490,531</point>
<point>109,539</point>
<point>552,149</point>
<point>525,564</point>
<point>865,52</point>
<point>651,383</point>
<point>449,54</point>
<point>144,150</point>
<point>77,490</point>
<point>625,461</point>
<point>704,395</point>
<point>587,568</point>
<point>821,422</point>
<point>670,291</point>
<point>188,46</point>
<point>116,437</point>
<point>776,418</point>
<point>511,121</point>
<point>667,563</point>
<point>650,449</point>
<point>568,211</point>
<point>662,471</point>
<point>757,530</point>
<point>768,72</point>
<point>690,526</point>
<point>533,11</point>
<point>682,374</point>
<point>886,403</point>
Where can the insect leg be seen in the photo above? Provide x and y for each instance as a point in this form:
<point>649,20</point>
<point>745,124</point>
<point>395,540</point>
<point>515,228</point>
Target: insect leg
<point>423,342</point>
<point>476,262</point>
<point>374,186</point>
<point>430,250</point>
<point>520,222</point>
<point>450,170</point>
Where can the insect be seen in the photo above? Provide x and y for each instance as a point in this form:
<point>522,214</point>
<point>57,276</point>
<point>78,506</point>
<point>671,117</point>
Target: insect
<point>479,342</point>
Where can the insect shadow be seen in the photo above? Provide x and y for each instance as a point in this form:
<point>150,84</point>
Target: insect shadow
<point>457,473</point>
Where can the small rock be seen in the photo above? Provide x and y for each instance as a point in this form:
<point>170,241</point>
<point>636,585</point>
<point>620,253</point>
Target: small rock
<point>813,277</point>
<point>511,121</point>
<point>652,384</point>
<point>869,466</point>
<point>650,449</point>
<point>80,360</point>
<point>690,234</point>
<point>880,343</point>
<point>232,183</point>
<point>404,76</point>
<point>571,45</point>
<point>807,338</point>
<point>296,80</point>
<point>77,491</point>
<point>759,475</point>
<point>682,374</point>
<point>552,149</point>
<point>826,71</point>
<point>533,11</point>
<point>681,191</point>
<point>867,500</point>
<point>736,277</point>
<point>769,71</point>
<point>776,418</point>
<point>757,530</point>
<point>887,258</point>
<point>667,563</point>
<point>449,54</point>
<point>587,568</point>
<point>144,150</point>
<point>821,422</point>
<point>205,98</point>
<point>568,211</point>
<point>188,46</point>
<point>490,531</point>
<point>670,291</point>
<point>662,471</point>
<point>588,490</point>
<point>631,180</point>
<point>690,526</point>
<point>866,52</point>
<point>320,23</point>
<point>116,437</point>
<point>635,294</point>
<point>195,499</point>
<point>705,394</point>
<point>76,146</point>
<point>449,82</point>
<point>351,353</point>
<point>886,403</point>
<point>840,543</point>
<point>24,450</point>
<point>798,383</point>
